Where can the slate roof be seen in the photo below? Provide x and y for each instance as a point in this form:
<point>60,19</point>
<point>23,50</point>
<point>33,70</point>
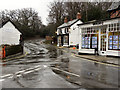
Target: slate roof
<point>114,5</point>
<point>3,23</point>
<point>68,23</point>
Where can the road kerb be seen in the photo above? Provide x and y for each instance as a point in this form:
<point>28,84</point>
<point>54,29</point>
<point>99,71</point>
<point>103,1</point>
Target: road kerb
<point>92,60</point>
<point>106,63</point>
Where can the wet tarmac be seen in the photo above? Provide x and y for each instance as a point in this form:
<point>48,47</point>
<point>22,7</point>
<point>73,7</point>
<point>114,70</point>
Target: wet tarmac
<point>47,66</point>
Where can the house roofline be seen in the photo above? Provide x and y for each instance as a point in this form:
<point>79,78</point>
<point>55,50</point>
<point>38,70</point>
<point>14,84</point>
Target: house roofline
<point>98,21</point>
<point>3,23</point>
<point>71,24</point>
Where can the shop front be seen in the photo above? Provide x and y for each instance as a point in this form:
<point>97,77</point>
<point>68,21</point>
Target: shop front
<point>89,41</point>
<point>101,38</point>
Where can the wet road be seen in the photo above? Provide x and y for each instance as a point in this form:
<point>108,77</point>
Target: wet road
<point>46,66</point>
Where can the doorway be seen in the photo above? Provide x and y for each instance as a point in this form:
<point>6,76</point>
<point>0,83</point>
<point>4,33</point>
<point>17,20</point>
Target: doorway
<point>103,40</point>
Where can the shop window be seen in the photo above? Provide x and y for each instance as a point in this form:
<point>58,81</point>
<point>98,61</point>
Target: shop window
<point>94,41</point>
<point>114,41</point>
<point>89,38</point>
<point>89,41</point>
<point>86,41</point>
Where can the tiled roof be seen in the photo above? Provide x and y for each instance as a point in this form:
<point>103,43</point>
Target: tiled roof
<point>68,23</point>
<point>114,5</point>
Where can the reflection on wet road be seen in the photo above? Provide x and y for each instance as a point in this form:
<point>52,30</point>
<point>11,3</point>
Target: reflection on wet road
<point>57,68</point>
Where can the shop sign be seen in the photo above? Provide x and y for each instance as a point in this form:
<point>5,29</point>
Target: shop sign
<point>97,23</point>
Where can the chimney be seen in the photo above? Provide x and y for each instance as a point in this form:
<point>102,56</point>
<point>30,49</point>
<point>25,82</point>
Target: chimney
<point>65,20</point>
<point>78,16</point>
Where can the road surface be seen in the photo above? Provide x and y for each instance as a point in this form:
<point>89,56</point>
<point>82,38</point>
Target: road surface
<point>46,66</point>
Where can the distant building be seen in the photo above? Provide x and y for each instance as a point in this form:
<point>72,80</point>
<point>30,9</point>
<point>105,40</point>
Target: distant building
<point>102,36</point>
<point>9,34</point>
<point>68,33</point>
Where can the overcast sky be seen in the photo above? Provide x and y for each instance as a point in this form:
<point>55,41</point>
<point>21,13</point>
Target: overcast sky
<point>41,6</point>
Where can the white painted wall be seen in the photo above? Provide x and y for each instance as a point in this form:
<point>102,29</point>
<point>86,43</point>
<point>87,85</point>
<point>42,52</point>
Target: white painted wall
<point>10,35</point>
<point>91,51</point>
<point>74,34</point>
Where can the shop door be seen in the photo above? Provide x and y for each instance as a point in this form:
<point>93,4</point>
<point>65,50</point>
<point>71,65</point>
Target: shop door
<point>103,41</point>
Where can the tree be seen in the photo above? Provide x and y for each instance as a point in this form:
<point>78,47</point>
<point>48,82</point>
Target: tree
<point>58,10</point>
<point>26,19</point>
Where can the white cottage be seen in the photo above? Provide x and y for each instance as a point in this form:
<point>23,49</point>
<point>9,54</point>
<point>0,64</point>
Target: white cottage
<point>68,33</point>
<point>9,34</point>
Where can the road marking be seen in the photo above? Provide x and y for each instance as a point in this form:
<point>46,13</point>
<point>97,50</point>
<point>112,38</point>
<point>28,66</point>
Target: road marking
<point>44,66</point>
<point>64,50</point>
<point>6,76</point>
<point>73,74</point>
<point>32,71</point>
<point>26,71</point>
<point>2,80</point>
<point>20,72</point>
<point>37,66</point>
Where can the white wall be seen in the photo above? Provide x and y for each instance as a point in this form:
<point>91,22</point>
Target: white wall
<point>74,34</point>
<point>91,51</point>
<point>10,35</point>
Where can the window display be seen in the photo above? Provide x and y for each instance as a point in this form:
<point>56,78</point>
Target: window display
<point>114,41</point>
<point>85,42</point>
<point>94,42</point>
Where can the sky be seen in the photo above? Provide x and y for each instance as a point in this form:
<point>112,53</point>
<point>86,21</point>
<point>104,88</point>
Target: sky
<point>41,6</point>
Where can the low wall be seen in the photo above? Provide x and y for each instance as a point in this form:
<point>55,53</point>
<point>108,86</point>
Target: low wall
<point>11,50</point>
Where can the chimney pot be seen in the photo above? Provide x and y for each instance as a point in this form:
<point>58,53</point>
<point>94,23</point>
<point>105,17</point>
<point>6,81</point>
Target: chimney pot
<point>65,20</point>
<point>78,16</point>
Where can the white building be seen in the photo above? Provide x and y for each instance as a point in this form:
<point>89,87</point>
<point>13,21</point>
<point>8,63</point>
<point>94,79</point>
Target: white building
<point>68,33</point>
<point>102,36</point>
<point>9,34</point>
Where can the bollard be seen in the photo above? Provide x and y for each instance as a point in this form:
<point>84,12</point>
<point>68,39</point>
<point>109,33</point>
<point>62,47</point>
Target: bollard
<point>3,52</point>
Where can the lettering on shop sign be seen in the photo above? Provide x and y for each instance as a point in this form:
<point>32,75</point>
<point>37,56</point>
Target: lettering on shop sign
<point>97,23</point>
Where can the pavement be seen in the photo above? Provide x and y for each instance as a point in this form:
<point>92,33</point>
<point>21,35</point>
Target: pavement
<point>97,58</point>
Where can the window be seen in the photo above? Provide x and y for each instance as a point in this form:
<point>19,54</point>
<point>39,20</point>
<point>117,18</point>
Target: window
<point>89,38</point>
<point>94,41</point>
<point>86,41</point>
<point>114,27</point>
<point>114,41</point>
<point>59,39</point>
<point>65,40</point>
<point>114,36</point>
